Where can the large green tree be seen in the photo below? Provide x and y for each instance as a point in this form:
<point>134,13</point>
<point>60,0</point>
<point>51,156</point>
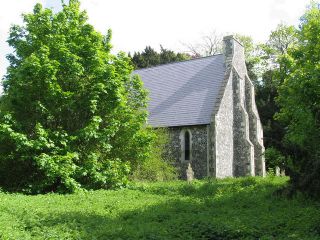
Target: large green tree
<point>299,99</point>
<point>71,114</point>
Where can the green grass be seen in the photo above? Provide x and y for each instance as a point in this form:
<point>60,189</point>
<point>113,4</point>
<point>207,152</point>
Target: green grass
<point>243,208</point>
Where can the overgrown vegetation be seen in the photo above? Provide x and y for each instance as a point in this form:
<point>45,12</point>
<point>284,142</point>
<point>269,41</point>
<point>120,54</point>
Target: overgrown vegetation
<point>271,77</point>
<point>287,97</point>
<point>71,115</point>
<point>244,208</point>
<point>299,100</point>
<point>158,166</point>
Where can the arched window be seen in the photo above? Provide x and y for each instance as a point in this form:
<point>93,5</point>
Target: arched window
<point>187,146</point>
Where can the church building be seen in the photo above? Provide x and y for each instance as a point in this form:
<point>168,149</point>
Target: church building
<point>208,106</point>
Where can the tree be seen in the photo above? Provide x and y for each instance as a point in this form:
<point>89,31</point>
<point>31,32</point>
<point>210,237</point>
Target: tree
<point>208,45</point>
<point>169,56</point>
<point>299,100</point>
<point>272,75</point>
<point>149,57</point>
<point>252,54</point>
<point>71,114</point>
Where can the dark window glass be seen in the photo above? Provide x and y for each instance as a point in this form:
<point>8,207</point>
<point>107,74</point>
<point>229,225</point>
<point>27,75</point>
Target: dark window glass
<point>186,145</point>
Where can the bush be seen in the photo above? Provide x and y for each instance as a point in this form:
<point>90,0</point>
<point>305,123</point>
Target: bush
<point>157,167</point>
<point>275,158</point>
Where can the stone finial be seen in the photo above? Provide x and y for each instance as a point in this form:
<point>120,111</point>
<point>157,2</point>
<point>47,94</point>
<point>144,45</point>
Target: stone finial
<point>190,173</point>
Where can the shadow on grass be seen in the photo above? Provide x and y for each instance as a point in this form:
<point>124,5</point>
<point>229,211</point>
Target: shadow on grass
<point>241,210</point>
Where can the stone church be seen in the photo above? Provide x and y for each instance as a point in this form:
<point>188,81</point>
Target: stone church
<point>208,106</point>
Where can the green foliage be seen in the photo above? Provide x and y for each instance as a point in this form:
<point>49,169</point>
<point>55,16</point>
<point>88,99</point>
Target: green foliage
<point>157,167</point>
<point>71,115</point>
<point>261,68</point>
<point>242,208</point>
<point>251,52</point>
<point>266,72</point>
<point>280,40</point>
<point>275,158</point>
<point>266,93</point>
<point>299,99</point>
<point>271,173</point>
<point>149,57</point>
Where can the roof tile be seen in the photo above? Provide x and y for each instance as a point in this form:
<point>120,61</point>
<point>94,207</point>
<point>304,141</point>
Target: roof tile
<point>183,93</point>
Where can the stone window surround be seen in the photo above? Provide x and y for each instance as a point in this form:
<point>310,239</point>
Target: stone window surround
<point>182,145</point>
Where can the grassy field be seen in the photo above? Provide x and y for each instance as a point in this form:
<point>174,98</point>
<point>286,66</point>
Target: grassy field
<point>244,208</point>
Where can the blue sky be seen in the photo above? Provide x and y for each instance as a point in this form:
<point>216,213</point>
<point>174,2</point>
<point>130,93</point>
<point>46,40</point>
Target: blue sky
<point>138,23</point>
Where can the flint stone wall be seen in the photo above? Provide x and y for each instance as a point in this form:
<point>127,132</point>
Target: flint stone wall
<point>232,144</point>
<point>198,156</point>
<point>256,133</point>
<point>242,116</point>
<point>223,135</point>
<point>243,164</point>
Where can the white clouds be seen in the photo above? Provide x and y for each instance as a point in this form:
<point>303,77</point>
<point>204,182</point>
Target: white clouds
<point>138,23</point>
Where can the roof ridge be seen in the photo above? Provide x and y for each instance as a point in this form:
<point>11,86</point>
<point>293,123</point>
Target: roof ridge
<point>171,63</point>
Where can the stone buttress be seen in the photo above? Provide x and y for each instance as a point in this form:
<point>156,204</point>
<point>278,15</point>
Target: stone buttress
<point>236,136</point>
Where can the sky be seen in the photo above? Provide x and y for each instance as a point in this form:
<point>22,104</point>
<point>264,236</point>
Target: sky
<point>136,24</point>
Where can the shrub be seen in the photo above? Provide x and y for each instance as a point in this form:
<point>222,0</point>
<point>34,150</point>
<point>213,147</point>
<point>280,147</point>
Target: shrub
<point>157,167</point>
<point>275,158</point>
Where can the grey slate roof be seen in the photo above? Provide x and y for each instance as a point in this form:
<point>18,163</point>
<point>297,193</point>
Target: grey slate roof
<point>183,93</point>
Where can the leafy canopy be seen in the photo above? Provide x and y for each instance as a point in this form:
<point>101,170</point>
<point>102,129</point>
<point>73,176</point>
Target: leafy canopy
<point>273,75</point>
<point>72,115</point>
<point>299,100</point>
